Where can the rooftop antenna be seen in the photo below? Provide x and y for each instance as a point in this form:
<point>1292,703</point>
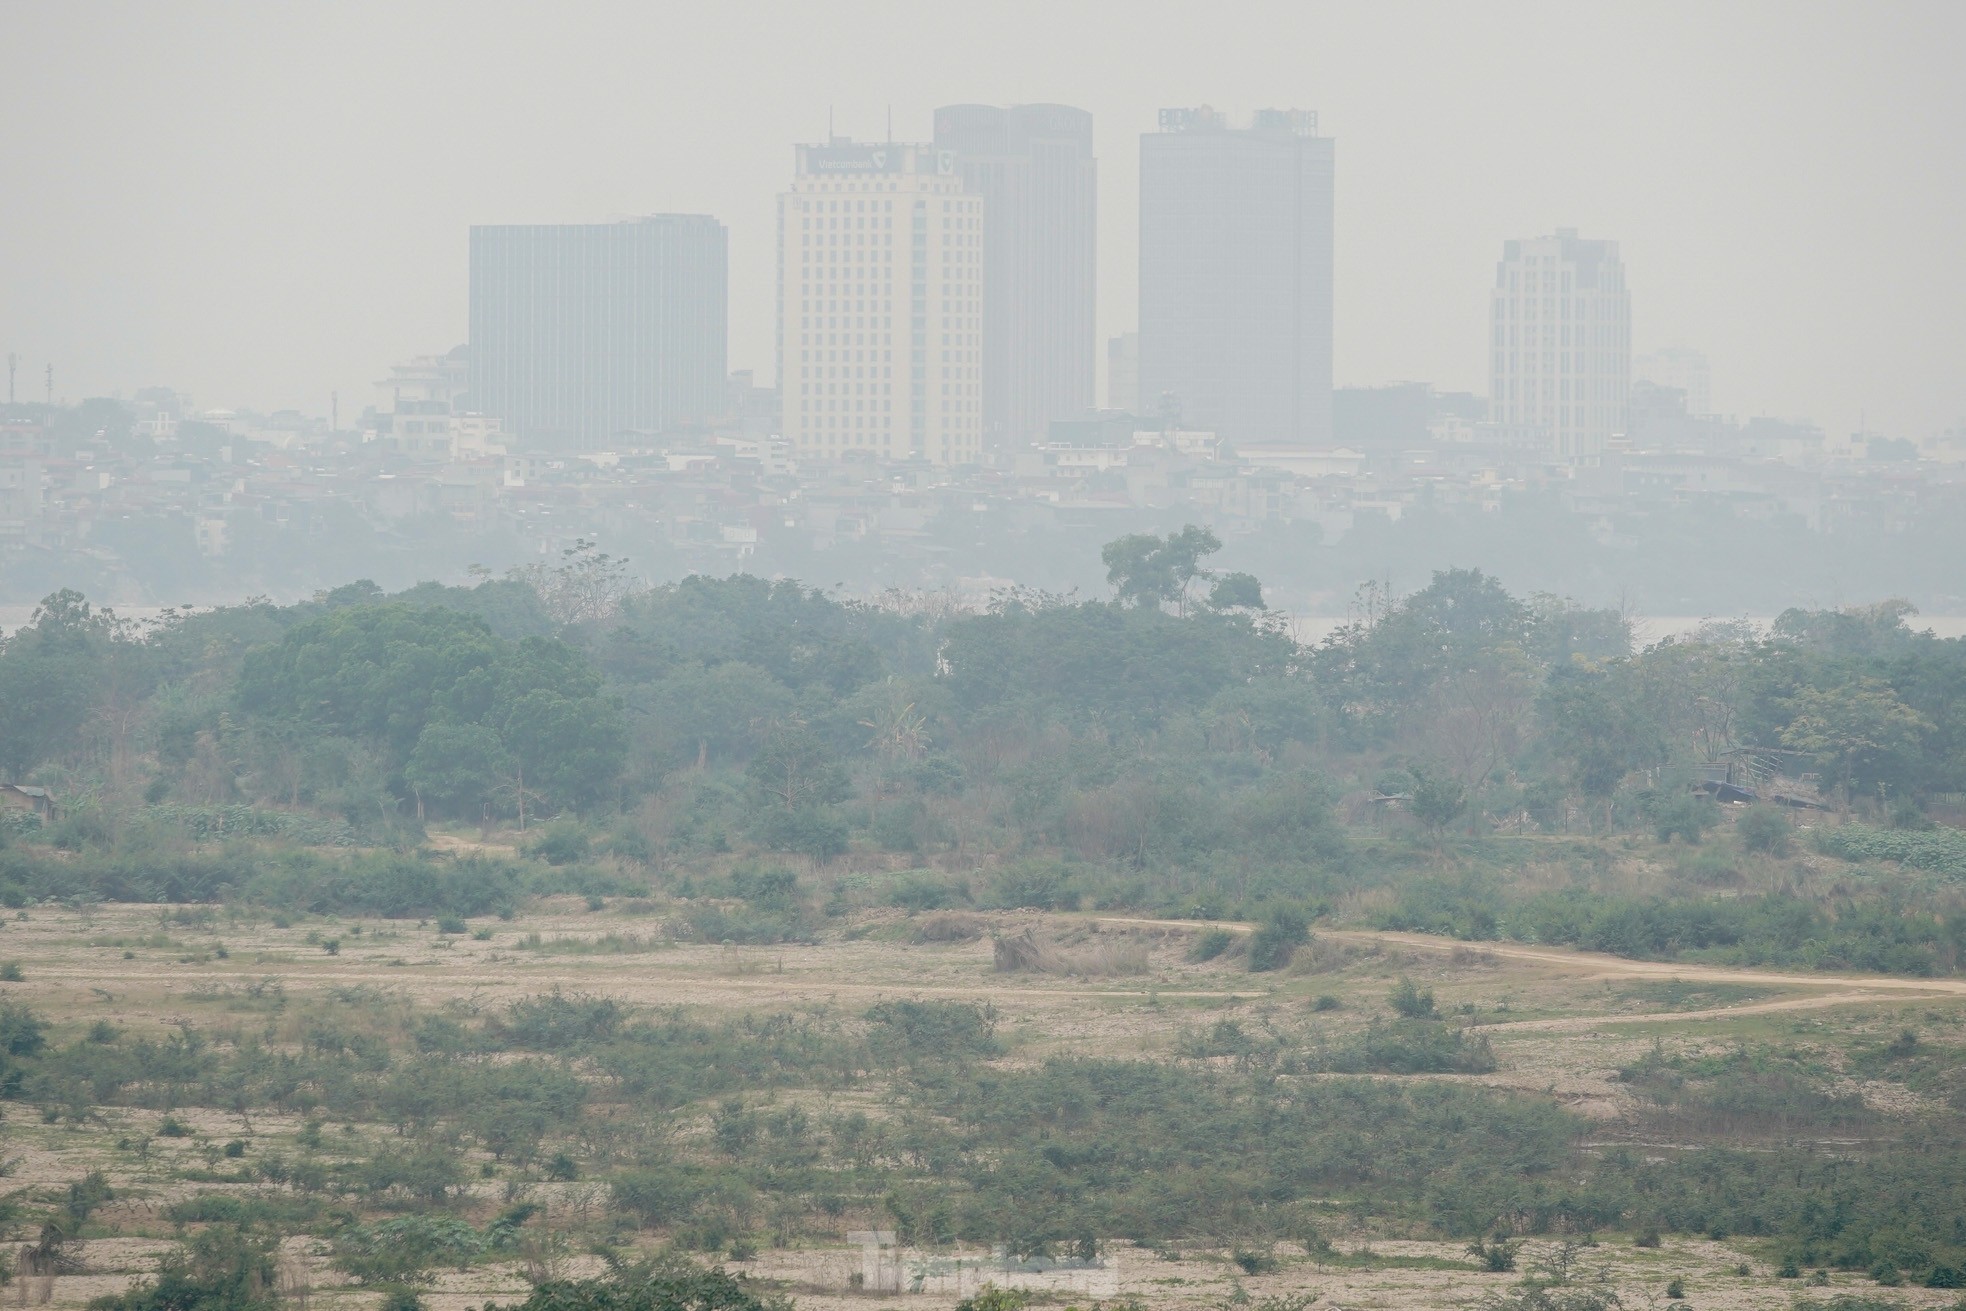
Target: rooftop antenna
<point>51,384</point>
<point>829,124</point>
<point>13,362</point>
<point>890,124</point>
<point>334,411</point>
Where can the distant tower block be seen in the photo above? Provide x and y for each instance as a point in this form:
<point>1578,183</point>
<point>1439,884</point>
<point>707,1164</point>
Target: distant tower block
<point>1560,354</point>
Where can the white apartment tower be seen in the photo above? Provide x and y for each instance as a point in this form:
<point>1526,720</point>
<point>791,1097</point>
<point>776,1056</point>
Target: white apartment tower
<point>880,312</point>
<point>1560,355</point>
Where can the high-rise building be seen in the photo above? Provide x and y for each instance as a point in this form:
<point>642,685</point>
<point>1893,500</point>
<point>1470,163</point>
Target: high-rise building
<point>1235,274</point>
<point>880,285</point>
<point>583,336</point>
<point>1123,373</point>
<point>1560,354</point>
<point>1034,169</point>
<point>1682,369</point>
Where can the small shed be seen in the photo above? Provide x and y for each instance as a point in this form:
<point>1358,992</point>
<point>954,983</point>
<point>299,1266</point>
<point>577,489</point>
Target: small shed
<point>18,797</point>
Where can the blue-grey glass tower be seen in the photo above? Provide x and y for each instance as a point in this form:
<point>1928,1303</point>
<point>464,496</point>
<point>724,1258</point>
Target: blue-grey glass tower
<point>1235,274</point>
<point>587,336</point>
<point>1033,165</point>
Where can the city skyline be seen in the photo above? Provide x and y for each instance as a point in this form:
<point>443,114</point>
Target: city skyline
<point>121,272</point>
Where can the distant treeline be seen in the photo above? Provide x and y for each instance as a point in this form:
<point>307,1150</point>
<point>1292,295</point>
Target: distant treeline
<point>1172,749</point>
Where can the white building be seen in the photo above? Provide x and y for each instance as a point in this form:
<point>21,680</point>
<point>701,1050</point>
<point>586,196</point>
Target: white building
<point>1560,356</point>
<point>880,284</point>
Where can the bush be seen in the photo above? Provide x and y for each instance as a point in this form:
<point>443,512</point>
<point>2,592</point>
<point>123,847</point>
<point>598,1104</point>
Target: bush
<point>1766,830</point>
<point>1034,885</point>
<point>1497,1256</point>
<point>1209,944</point>
<point>452,924</point>
<point>1405,1047</point>
<point>1410,1002</point>
<point>673,1285</point>
<point>1283,931</point>
<point>402,1249</point>
<point>921,891</point>
<point>939,1030</point>
<point>562,842</point>
<point>1685,816</point>
<point>224,1269</point>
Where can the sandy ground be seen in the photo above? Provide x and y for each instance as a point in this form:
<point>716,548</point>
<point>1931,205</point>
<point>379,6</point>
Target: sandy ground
<point>1561,1024</point>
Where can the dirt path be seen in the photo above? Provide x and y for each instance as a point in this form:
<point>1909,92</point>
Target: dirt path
<point>1827,990</point>
<point>1596,965</point>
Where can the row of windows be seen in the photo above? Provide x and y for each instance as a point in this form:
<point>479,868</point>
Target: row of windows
<point>960,230</point>
<point>1594,308</point>
<point>851,206</point>
<point>1552,390</point>
<point>1561,362</point>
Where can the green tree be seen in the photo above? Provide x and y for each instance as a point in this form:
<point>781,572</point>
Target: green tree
<point>223,1269</point>
<point>1436,800</point>
<point>1596,721</point>
<point>1853,728</point>
<point>570,747</point>
<point>1146,570</point>
<point>1236,592</point>
<point>457,767</point>
<point>48,681</point>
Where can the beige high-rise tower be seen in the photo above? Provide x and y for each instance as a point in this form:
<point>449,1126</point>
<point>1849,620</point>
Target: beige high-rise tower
<point>1560,343</point>
<point>880,265</point>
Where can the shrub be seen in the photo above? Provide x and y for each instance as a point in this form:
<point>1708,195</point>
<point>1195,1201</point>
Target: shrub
<point>1209,944</point>
<point>1766,830</point>
<point>452,924</point>
<point>1684,816</point>
<point>401,1249</point>
<point>224,1269</point>
<point>1036,885</point>
<point>938,1030</point>
<point>1497,1255</point>
<point>922,891</point>
<point>1283,931</point>
<point>10,972</point>
<point>1411,1002</point>
<point>1406,1047</point>
<point>671,1285</point>
<point>563,842</point>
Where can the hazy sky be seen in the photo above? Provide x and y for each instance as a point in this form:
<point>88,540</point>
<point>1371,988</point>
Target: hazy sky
<point>260,203</point>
